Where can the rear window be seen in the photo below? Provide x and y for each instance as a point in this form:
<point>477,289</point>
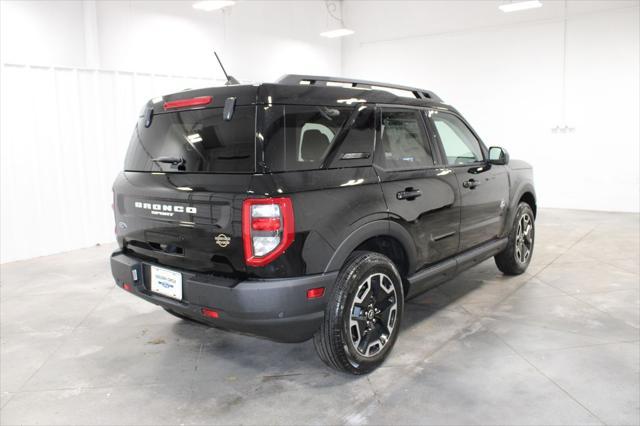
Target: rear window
<point>194,141</point>
<point>299,137</point>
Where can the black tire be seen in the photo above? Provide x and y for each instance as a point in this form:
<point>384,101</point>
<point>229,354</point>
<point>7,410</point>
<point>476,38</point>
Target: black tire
<point>360,343</point>
<point>515,258</point>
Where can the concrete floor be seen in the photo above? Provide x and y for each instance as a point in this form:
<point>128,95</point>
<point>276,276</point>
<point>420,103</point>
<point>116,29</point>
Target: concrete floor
<point>558,345</point>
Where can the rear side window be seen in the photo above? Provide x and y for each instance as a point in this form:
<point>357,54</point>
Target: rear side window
<point>299,137</point>
<point>198,141</point>
<point>356,149</point>
<point>404,141</point>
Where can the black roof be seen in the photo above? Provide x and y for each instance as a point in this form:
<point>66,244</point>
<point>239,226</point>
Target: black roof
<point>311,90</point>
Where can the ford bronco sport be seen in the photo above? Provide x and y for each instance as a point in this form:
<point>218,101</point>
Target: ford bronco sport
<point>312,208</point>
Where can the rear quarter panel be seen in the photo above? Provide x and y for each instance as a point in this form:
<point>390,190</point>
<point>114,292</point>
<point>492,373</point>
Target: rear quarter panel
<point>329,205</point>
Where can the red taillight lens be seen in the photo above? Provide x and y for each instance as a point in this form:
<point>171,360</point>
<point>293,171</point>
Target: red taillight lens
<point>265,223</point>
<point>184,103</point>
<point>267,229</point>
<point>127,286</point>
<point>210,313</point>
<point>315,293</point>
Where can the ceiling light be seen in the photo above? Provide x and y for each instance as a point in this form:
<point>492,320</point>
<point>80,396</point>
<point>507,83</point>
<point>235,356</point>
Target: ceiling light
<point>209,5</point>
<point>520,5</point>
<point>340,32</point>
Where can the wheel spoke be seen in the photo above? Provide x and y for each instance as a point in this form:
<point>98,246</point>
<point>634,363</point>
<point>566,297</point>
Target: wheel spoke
<point>377,292</point>
<point>385,317</point>
<point>364,291</point>
<point>373,338</point>
<point>364,343</point>
<point>384,305</point>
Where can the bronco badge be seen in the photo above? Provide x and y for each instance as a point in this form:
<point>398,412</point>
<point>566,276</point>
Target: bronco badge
<point>222,240</point>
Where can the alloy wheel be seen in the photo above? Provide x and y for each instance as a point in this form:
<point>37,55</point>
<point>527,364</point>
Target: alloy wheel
<point>524,238</point>
<point>373,314</point>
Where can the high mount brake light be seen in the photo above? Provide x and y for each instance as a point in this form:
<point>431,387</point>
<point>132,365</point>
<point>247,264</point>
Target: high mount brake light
<point>268,229</point>
<point>184,103</point>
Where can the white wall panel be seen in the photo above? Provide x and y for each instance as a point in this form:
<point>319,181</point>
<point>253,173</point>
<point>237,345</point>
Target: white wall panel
<point>58,165</point>
<point>504,72</point>
<point>43,32</point>
<point>258,40</point>
<point>64,134</point>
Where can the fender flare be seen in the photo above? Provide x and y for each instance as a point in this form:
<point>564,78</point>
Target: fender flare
<point>378,228</point>
<point>517,195</point>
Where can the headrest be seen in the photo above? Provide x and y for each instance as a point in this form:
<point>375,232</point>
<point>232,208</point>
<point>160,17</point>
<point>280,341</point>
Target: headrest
<point>314,144</point>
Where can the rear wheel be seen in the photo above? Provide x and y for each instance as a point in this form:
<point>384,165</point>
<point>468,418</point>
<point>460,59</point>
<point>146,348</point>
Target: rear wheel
<point>515,258</point>
<point>363,315</point>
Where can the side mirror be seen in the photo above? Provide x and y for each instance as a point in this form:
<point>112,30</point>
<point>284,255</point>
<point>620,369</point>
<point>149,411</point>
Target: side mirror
<point>498,156</point>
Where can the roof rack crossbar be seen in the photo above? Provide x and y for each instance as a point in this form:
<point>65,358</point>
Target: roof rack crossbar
<point>315,80</point>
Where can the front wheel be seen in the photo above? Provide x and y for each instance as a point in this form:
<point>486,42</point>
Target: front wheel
<point>515,258</point>
<point>363,314</point>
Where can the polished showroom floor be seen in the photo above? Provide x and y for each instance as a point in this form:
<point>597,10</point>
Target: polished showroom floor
<point>558,345</point>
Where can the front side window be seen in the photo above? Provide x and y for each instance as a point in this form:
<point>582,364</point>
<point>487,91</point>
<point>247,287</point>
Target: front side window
<point>403,140</point>
<point>460,145</point>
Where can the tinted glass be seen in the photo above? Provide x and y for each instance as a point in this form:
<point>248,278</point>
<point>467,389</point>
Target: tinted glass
<point>357,147</point>
<point>299,137</point>
<point>200,140</point>
<point>404,142</point>
<point>460,146</point>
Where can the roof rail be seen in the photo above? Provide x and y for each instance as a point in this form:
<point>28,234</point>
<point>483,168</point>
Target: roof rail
<point>296,79</point>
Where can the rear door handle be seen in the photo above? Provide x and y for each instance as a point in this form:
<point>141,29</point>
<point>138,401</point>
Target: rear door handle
<point>408,194</point>
<point>471,183</point>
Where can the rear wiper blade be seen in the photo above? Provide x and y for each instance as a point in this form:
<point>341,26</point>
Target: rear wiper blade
<point>176,161</point>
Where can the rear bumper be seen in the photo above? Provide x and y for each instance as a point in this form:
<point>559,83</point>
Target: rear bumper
<point>275,308</point>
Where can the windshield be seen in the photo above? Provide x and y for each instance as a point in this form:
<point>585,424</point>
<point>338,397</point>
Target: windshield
<point>194,141</point>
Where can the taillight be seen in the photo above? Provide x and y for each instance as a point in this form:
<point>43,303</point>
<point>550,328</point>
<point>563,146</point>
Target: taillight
<point>267,229</point>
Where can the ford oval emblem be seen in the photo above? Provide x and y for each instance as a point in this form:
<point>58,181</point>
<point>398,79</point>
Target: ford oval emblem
<point>222,240</point>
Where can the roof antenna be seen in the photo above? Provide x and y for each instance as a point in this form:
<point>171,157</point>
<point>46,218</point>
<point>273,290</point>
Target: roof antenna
<point>230,79</point>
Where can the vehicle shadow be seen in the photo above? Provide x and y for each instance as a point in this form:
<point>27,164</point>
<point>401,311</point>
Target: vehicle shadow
<point>229,353</point>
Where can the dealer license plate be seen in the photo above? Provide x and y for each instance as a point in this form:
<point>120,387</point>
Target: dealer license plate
<point>167,283</point>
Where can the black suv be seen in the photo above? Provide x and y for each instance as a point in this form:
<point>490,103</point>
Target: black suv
<point>313,207</point>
